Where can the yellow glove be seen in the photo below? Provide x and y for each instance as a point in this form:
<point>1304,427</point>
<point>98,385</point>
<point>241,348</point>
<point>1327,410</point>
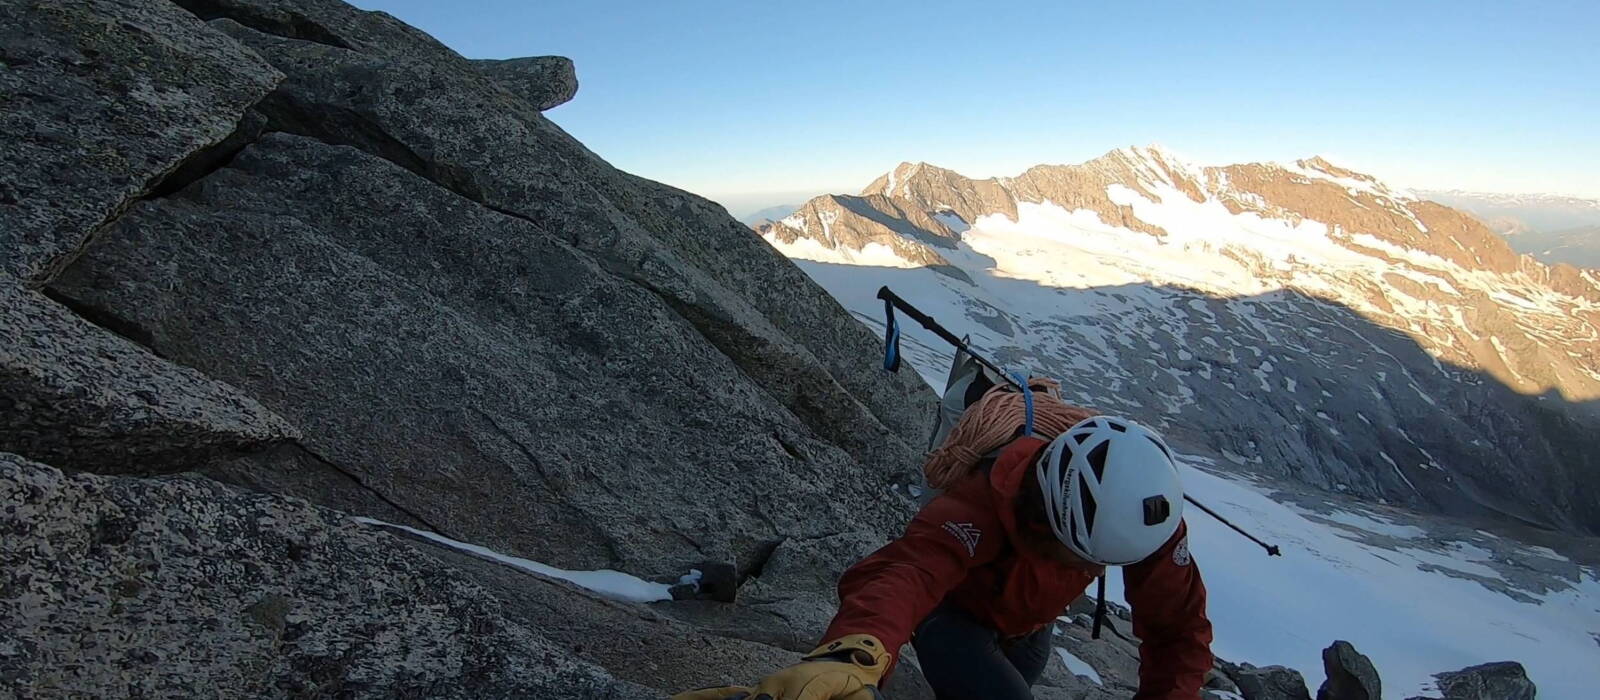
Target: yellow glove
<point>847,668</point>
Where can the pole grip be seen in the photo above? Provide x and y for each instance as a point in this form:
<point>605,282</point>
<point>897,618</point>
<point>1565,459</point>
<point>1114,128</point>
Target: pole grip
<point>932,325</point>
<point>919,317</point>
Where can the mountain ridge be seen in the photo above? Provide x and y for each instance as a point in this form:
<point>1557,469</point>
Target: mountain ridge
<point>1247,234</point>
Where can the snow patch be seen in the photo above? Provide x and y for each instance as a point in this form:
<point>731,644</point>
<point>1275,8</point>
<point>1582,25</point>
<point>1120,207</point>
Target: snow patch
<point>870,255</point>
<point>1078,666</point>
<point>611,584</point>
<point>952,221</point>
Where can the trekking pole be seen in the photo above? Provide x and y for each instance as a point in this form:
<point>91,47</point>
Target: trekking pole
<point>892,301</point>
<point>1272,550</point>
<point>890,298</point>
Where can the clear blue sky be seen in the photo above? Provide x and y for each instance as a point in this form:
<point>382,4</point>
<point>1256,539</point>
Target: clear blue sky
<point>730,98</point>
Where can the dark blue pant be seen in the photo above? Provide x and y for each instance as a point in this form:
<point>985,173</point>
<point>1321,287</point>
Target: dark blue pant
<point>963,659</point>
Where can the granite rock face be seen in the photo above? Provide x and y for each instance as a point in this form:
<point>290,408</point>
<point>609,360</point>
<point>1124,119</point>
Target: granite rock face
<point>545,82</point>
<point>389,286</point>
<point>180,587</point>
<point>1267,682</point>
<point>74,393</point>
<point>486,376</point>
<point>99,100</point>
<point>1350,675</point>
<point>1504,680</point>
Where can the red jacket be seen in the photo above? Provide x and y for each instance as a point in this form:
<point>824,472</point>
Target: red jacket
<point>959,548</point>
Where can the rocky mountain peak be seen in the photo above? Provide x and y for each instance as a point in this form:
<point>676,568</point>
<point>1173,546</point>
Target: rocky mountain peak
<point>1309,229</point>
<point>908,180</point>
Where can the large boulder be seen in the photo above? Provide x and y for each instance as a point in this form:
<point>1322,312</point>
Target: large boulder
<point>1503,680</point>
<point>545,82</point>
<point>1350,675</point>
<point>1267,682</point>
<point>73,393</point>
<point>479,372</point>
<point>99,101</point>
<point>181,587</point>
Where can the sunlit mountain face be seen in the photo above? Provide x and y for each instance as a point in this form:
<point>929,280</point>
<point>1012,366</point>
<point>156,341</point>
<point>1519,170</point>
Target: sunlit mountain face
<point>1301,320</point>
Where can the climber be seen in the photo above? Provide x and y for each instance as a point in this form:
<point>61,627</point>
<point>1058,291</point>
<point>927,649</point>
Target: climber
<point>1023,526</point>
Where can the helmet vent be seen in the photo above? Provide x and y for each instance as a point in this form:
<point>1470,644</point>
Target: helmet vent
<point>1119,427</point>
<point>1087,498</point>
<point>1156,510</point>
<point>1080,437</point>
<point>1097,459</point>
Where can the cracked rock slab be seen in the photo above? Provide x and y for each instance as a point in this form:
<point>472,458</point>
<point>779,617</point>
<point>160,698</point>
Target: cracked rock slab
<point>469,366</point>
<point>100,99</point>
<point>444,120</point>
<point>77,394</point>
<point>182,587</point>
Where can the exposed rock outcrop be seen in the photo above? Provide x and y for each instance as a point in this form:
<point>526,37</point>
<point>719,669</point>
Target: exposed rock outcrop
<point>180,587</point>
<point>1350,675</point>
<point>1267,682</point>
<point>1504,680</point>
<point>545,82</point>
<point>368,275</point>
<point>332,317</point>
<point>74,393</point>
<point>103,99</point>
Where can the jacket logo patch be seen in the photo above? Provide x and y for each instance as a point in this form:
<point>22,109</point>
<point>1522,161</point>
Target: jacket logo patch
<point>966,534</point>
<point>1180,555</point>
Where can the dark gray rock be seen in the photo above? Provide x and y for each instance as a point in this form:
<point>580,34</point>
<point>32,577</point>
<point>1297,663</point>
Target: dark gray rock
<point>292,469</point>
<point>1350,675</point>
<point>1267,682</point>
<point>1116,660</point>
<point>544,81</point>
<point>798,584</point>
<point>1504,680</point>
<point>439,119</point>
<point>181,587</point>
<point>332,23</point>
<point>638,643</point>
<point>476,371</point>
<point>73,393</point>
<point>99,100</point>
<point>1218,681</point>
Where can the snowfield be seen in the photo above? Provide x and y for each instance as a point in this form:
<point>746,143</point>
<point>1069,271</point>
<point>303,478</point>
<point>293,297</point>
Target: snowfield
<point>1394,604</point>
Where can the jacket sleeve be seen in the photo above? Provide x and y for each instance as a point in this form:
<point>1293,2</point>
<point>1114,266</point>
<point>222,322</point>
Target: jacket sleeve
<point>1169,618</point>
<point>888,593</point>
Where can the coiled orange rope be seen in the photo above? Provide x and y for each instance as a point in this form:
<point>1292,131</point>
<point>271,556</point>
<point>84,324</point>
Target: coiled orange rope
<point>992,422</point>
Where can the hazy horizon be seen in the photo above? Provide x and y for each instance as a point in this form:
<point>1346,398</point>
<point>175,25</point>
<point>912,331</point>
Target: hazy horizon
<point>729,100</point>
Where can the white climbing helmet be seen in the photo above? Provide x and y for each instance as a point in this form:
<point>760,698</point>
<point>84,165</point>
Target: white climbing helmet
<point>1111,490</point>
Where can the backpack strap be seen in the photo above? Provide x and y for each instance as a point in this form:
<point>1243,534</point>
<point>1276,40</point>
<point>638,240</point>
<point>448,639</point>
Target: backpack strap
<point>1027,404</point>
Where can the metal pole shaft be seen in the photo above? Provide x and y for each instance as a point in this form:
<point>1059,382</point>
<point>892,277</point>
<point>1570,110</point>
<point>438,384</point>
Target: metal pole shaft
<point>1272,550</point>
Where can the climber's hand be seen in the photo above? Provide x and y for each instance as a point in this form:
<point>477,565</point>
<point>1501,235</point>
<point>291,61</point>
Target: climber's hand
<point>847,668</point>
